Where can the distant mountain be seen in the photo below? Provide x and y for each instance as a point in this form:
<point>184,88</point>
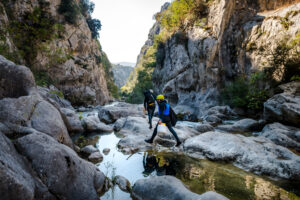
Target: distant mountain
<point>121,73</point>
<point>126,64</point>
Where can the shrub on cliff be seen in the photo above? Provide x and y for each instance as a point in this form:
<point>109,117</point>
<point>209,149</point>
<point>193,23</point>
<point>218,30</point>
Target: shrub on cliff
<point>70,10</point>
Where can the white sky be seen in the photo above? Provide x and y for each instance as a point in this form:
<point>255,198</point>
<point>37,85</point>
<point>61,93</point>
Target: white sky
<point>125,26</point>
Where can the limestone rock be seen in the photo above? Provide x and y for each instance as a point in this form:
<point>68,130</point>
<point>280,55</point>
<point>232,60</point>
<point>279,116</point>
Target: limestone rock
<point>92,123</point>
<point>71,120</point>
<point>15,80</point>
<point>241,126</point>
<point>88,150</point>
<point>286,136</point>
<point>60,168</point>
<point>111,113</point>
<point>283,108</point>
<point>168,187</point>
<point>95,157</point>
<point>17,179</point>
<point>256,154</point>
<point>123,183</point>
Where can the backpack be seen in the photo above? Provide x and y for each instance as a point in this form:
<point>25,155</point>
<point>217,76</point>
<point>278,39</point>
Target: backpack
<point>173,117</point>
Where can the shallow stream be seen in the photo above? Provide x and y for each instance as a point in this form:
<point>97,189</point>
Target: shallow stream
<point>198,175</point>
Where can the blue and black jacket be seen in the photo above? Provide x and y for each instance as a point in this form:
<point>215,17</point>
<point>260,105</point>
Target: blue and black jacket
<point>164,111</point>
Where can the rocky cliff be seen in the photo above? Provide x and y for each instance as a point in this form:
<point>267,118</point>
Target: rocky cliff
<point>220,41</point>
<point>54,39</point>
<point>121,74</point>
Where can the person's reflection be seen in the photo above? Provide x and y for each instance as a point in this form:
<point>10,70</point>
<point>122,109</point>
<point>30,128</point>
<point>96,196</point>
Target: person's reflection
<point>161,164</point>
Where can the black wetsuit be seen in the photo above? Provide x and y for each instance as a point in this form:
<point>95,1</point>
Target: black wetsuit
<point>164,111</point>
<point>149,105</point>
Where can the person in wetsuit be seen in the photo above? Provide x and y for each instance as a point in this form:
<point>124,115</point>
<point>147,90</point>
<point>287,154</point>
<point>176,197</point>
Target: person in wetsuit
<point>164,117</point>
<point>149,105</point>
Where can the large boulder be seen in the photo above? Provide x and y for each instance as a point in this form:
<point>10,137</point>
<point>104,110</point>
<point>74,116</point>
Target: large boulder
<point>241,126</point>
<point>168,187</point>
<point>111,113</point>
<point>34,112</point>
<point>53,95</point>
<point>17,179</point>
<point>286,136</point>
<point>71,120</point>
<point>256,154</point>
<point>15,80</point>
<point>215,115</point>
<point>92,123</point>
<point>284,108</point>
<point>65,174</point>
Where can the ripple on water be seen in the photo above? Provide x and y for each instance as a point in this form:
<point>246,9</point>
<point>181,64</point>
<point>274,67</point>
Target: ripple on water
<point>198,175</point>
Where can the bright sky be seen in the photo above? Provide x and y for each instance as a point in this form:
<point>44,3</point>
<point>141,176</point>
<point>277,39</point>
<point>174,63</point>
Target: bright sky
<point>125,26</point>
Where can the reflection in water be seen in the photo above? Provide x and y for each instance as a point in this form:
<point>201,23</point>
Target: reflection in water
<point>198,175</point>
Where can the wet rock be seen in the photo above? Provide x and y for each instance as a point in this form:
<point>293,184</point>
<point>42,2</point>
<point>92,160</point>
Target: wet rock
<point>60,168</point>
<point>164,142</point>
<point>95,157</point>
<point>202,128</point>
<point>123,183</point>
<point>92,123</point>
<point>111,113</point>
<point>71,120</point>
<point>16,80</point>
<point>286,136</point>
<point>119,124</point>
<point>88,150</point>
<point>106,151</point>
<point>284,108</point>
<point>256,154</point>
<point>17,179</point>
<point>34,112</point>
<point>168,187</point>
<point>241,126</point>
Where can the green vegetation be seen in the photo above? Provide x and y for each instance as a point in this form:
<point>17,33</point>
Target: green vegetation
<point>181,14</point>
<point>82,141</point>
<point>29,33</point>
<point>42,79</point>
<point>59,93</point>
<point>246,93</point>
<point>70,10</point>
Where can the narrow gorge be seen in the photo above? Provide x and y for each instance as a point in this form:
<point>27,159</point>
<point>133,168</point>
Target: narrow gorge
<point>73,125</point>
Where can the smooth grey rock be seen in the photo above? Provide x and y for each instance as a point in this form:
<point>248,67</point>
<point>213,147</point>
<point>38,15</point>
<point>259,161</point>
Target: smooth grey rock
<point>168,187</point>
<point>284,108</point>
<point>61,170</point>
<point>92,123</point>
<point>106,151</point>
<point>212,119</point>
<point>71,120</point>
<point>241,126</point>
<point>51,96</point>
<point>32,111</point>
<point>286,136</point>
<point>111,113</point>
<point>119,124</point>
<point>202,128</point>
<point>46,118</point>
<point>88,150</point>
<point>95,157</point>
<point>123,183</point>
<point>17,179</point>
<point>256,154</point>
<point>16,80</point>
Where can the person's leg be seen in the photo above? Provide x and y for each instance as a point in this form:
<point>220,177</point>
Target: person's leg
<point>169,125</point>
<point>153,135</point>
<point>150,115</point>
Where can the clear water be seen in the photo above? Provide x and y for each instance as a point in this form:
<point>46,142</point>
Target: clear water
<point>198,175</point>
